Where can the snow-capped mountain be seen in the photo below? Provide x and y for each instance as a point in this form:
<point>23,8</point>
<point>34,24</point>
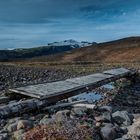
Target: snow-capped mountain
<point>72,43</point>
<point>49,49</point>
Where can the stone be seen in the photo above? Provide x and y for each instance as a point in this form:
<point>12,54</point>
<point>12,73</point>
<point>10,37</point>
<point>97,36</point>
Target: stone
<point>23,124</point>
<point>2,122</point>
<point>18,135</point>
<point>3,136</point>
<point>122,118</point>
<point>12,127</point>
<point>136,116</point>
<point>106,108</point>
<point>13,120</point>
<point>134,130</point>
<point>108,132</point>
<point>105,117</point>
<point>46,121</point>
<point>78,111</point>
<point>124,130</point>
<point>121,139</point>
<point>62,115</point>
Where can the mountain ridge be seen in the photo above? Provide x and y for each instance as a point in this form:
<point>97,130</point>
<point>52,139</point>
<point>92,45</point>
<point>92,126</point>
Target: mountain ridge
<point>121,50</point>
<point>52,48</point>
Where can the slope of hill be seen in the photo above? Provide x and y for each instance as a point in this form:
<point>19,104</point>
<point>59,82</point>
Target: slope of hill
<point>52,48</point>
<point>123,50</point>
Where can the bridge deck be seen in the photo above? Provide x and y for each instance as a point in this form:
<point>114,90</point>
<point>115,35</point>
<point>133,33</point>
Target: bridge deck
<point>72,86</point>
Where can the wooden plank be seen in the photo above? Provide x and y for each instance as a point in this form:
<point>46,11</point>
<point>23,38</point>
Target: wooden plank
<point>119,71</point>
<point>90,79</point>
<point>50,89</point>
<point>47,89</point>
<point>71,87</point>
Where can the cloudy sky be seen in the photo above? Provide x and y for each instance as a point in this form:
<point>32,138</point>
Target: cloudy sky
<point>31,23</point>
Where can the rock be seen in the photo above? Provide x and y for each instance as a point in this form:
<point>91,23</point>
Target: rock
<point>3,136</point>
<point>46,121</point>
<point>61,115</point>
<point>13,120</point>
<point>121,139</point>
<point>105,117</point>
<point>106,108</point>
<point>23,124</point>
<point>12,127</point>
<point>134,130</point>
<point>78,111</point>
<point>136,116</point>
<point>18,135</point>
<point>122,118</point>
<point>98,124</point>
<point>108,132</point>
<point>2,122</point>
<point>124,129</point>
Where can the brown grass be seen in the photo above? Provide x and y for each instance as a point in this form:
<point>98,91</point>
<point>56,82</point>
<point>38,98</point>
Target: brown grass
<point>124,50</point>
<point>59,131</point>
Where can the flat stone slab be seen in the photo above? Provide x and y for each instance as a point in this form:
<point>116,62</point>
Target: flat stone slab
<point>60,88</point>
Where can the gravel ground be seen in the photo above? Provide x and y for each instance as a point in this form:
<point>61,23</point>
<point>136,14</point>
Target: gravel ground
<point>117,115</point>
<point>14,76</point>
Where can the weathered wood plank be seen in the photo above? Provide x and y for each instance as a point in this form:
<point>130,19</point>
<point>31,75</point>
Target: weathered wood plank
<point>16,109</point>
<point>63,105</point>
<point>90,79</point>
<point>119,71</point>
<point>47,89</point>
<point>71,86</point>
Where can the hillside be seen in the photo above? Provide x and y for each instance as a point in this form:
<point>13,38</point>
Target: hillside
<point>52,48</point>
<point>123,50</point>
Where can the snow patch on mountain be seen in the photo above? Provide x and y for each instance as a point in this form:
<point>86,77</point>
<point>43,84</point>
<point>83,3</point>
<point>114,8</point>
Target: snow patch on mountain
<point>72,43</point>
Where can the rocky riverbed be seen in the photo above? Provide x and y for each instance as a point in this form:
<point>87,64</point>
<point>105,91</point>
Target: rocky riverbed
<point>116,116</point>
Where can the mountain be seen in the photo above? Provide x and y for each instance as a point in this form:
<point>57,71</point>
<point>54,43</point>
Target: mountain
<point>122,50</point>
<point>72,43</point>
<point>52,48</point>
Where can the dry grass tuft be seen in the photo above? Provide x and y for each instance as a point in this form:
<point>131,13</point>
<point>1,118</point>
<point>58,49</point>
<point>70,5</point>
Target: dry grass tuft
<point>69,130</point>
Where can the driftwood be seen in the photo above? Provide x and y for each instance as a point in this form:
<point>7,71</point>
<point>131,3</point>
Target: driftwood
<point>88,106</point>
<point>16,109</point>
<point>63,105</point>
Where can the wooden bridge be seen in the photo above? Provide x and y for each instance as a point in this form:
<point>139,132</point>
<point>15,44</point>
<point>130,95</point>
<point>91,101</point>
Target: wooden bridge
<point>70,87</point>
<point>45,94</point>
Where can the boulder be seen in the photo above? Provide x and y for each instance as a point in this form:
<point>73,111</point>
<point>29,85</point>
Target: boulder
<point>13,120</point>
<point>134,130</point>
<point>18,135</point>
<point>108,132</point>
<point>121,139</point>
<point>106,108</point>
<point>12,127</point>
<point>122,118</point>
<point>46,121</point>
<point>3,136</point>
<point>62,115</point>
<point>78,111</point>
<point>105,117</point>
<point>23,124</point>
